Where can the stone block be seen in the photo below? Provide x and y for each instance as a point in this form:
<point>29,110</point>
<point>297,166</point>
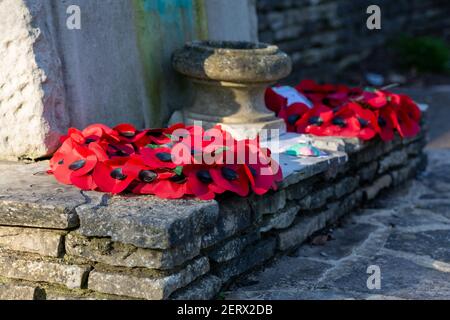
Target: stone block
<point>43,242</point>
<point>139,285</point>
<point>205,288</point>
<point>368,172</point>
<point>317,199</point>
<point>119,254</point>
<point>268,203</point>
<point>281,219</point>
<point>30,197</point>
<point>345,186</point>
<point>381,183</point>
<point>392,160</point>
<point>13,291</point>
<point>300,190</point>
<point>250,258</point>
<point>147,221</point>
<point>305,226</point>
<point>27,268</point>
<point>235,215</point>
<point>231,249</point>
<point>347,145</point>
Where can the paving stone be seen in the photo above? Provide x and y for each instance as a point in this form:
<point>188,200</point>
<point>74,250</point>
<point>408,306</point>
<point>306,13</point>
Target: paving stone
<point>347,145</point>
<point>392,160</point>
<point>281,219</point>
<point>141,286</point>
<point>439,207</point>
<point>25,268</point>
<point>43,242</point>
<point>428,243</point>
<point>12,291</point>
<point>147,221</point>
<point>31,197</point>
<point>250,258</point>
<point>205,288</point>
<point>344,241</point>
<point>118,254</point>
<point>235,216</point>
<point>231,249</point>
<point>399,278</point>
<point>285,274</point>
<point>291,294</point>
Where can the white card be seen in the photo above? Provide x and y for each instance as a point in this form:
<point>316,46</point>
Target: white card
<point>292,95</point>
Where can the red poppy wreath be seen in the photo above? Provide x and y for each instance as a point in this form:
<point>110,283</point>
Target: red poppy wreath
<point>339,110</point>
<point>175,162</point>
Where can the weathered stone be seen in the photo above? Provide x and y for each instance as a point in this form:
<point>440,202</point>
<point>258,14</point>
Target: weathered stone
<point>268,203</point>
<point>42,242</point>
<point>235,215</point>
<point>13,291</point>
<point>368,172</point>
<point>250,258</point>
<point>347,145</point>
<point>345,186</point>
<point>420,243</point>
<point>369,154</point>
<point>317,199</point>
<point>147,221</point>
<point>381,183</point>
<point>392,160</point>
<point>28,268</point>
<point>281,219</point>
<point>118,254</point>
<point>300,190</point>
<point>296,169</point>
<point>31,82</point>
<point>305,226</point>
<point>231,249</point>
<point>205,288</point>
<point>140,286</point>
<point>30,197</point>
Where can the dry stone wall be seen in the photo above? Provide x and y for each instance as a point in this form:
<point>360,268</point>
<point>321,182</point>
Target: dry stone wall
<point>59,243</point>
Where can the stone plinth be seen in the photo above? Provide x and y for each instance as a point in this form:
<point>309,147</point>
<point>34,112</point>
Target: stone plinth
<point>229,81</point>
<point>58,242</point>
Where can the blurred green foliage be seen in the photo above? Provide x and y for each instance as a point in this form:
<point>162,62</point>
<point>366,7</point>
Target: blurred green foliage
<point>425,54</point>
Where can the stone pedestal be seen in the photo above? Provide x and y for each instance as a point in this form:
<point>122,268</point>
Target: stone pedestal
<point>229,80</point>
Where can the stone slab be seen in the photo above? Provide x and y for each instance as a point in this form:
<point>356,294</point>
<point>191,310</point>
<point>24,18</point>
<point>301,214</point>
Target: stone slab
<point>28,268</point>
<point>12,291</point>
<point>253,256</point>
<point>118,254</point>
<point>147,221</point>
<point>281,219</point>
<point>205,288</point>
<point>30,197</point>
<point>231,249</point>
<point>146,287</point>
<point>40,241</point>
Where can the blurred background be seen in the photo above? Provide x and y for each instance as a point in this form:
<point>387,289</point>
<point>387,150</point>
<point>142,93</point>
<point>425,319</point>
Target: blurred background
<point>329,41</point>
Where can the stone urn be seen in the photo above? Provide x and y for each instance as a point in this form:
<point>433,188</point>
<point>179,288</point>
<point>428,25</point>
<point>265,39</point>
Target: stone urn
<point>229,81</point>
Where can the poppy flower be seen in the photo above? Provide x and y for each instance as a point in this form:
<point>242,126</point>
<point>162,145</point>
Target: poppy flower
<point>274,101</point>
<point>375,98</point>
<point>79,162</point>
<point>109,176</point>
<point>201,183</point>
<point>313,120</point>
<point>343,123</point>
<point>368,125</point>
<point>292,114</point>
<point>158,157</point>
<point>232,178</point>
<point>386,120</point>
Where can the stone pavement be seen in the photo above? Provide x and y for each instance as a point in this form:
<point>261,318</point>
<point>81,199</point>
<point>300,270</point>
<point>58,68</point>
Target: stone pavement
<point>405,233</point>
